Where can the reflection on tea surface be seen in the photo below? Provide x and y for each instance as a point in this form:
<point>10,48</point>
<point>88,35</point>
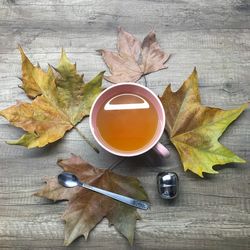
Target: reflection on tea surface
<point>127,122</point>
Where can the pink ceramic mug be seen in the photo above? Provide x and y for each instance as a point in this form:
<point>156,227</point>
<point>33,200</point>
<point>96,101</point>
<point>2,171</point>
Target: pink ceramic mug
<point>135,89</point>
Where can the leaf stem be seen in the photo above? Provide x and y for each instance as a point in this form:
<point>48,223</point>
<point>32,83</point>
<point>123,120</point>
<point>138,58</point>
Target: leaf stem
<point>145,80</point>
<point>115,164</point>
<point>87,140</point>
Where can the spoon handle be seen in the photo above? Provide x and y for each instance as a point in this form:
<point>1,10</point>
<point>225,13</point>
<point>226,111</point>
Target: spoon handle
<point>127,200</point>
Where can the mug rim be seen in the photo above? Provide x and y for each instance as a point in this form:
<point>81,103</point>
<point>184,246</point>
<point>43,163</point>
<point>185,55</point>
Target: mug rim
<point>139,152</point>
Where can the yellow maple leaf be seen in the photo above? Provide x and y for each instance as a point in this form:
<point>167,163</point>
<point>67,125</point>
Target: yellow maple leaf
<point>62,99</point>
<point>194,129</point>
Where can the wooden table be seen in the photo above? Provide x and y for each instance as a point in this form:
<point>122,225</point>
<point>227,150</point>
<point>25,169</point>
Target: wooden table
<point>210,213</point>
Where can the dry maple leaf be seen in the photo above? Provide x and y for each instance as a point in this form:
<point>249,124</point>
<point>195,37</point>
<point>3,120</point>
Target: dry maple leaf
<point>194,129</point>
<point>87,208</point>
<point>134,59</point>
<point>62,99</point>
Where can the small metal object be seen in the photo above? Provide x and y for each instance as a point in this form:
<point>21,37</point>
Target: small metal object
<point>168,185</point>
<point>69,180</point>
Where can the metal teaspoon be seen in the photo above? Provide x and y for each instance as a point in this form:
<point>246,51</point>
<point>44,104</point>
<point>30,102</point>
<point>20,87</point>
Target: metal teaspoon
<point>69,180</point>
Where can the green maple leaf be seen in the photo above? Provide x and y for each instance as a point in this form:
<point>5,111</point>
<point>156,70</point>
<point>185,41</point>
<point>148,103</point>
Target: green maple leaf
<point>194,129</point>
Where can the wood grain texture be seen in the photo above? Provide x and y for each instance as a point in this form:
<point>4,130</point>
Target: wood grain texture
<point>214,36</point>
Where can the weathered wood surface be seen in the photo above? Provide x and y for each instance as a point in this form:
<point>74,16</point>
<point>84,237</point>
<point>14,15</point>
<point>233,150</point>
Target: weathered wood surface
<point>210,213</point>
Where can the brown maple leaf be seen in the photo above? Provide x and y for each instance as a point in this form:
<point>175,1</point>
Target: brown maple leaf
<point>133,59</point>
<point>87,208</point>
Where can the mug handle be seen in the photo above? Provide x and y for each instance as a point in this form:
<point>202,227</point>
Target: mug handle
<point>161,150</point>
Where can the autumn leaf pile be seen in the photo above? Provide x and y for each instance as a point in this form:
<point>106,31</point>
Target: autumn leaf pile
<point>60,99</point>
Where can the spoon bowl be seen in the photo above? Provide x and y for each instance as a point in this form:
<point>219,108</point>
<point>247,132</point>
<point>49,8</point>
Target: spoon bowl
<point>68,180</point>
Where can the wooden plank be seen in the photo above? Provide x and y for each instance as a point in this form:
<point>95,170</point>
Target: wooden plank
<point>137,15</point>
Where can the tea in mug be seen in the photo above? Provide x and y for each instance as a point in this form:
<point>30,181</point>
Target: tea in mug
<point>127,122</point>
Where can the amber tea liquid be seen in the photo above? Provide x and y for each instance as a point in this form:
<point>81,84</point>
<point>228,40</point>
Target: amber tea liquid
<point>127,122</point>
